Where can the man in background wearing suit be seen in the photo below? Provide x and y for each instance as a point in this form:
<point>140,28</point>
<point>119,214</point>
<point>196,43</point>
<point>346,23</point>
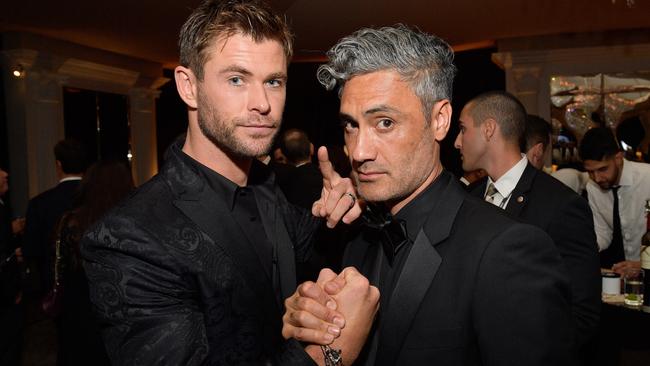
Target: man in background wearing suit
<point>45,210</point>
<point>491,128</point>
<point>305,181</point>
<point>192,269</point>
<point>461,283</point>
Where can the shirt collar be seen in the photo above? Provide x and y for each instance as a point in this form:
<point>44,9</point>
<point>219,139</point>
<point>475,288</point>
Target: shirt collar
<point>507,182</point>
<point>627,178</point>
<point>69,179</point>
<point>416,212</point>
<point>259,175</point>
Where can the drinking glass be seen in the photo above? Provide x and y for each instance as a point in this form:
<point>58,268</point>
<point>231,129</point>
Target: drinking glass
<point>633,285</point>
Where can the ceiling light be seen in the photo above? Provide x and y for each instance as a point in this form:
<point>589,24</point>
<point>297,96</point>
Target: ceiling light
<point>18,71</point>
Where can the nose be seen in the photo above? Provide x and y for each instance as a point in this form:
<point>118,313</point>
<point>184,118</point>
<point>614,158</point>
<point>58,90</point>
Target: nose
<point>258,100</point>
<point>458,143</point>
<point>361,146</point>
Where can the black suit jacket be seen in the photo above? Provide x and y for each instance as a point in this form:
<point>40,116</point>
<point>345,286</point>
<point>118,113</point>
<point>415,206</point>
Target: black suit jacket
<point>477,288</point>
<point>545,202</point>
<point>43,214</point>
<point>175,281</point>
<point>304,185</point>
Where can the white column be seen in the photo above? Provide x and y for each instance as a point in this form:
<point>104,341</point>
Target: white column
<point>34,123</point>
<point>143,133</point>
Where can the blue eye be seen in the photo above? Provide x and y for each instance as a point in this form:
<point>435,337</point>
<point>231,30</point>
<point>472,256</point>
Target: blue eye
<point>236,80</point>
<point>275,83</point>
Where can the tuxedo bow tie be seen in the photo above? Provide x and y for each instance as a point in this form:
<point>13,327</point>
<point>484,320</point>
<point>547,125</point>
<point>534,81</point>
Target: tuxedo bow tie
<point>392,231</point>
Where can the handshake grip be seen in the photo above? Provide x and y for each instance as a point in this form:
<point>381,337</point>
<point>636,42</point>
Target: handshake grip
<point>336,311</point>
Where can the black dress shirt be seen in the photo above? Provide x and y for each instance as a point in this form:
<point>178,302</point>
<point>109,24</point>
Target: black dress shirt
<point>243,207</point>
<point>413,214</point>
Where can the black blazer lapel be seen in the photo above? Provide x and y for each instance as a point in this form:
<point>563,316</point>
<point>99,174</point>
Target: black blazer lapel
<point>419,271</point>
<point>519,197</point>
<point>478,188</point>
<point>212,215</point>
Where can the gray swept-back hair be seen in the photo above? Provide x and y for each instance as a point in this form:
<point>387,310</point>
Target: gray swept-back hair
<point>423,60</point>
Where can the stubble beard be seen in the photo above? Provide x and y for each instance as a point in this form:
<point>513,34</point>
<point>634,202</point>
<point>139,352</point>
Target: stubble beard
<point>222,134</point>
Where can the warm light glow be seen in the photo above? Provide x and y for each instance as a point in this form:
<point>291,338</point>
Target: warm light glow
<point>18,71</point>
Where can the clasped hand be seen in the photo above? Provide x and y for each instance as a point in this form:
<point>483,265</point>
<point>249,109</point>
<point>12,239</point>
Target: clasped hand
<point>336,309</point>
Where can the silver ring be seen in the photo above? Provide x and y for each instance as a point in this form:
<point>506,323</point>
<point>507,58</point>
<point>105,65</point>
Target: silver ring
<point>354,199</point>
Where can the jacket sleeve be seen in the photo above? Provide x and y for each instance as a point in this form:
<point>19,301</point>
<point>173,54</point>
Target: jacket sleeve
<point>303,228</point>
<point>521,307</point>
<point>573,232</point>
<point>140,299</point>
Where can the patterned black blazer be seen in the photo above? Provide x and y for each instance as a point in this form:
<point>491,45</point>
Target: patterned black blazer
<point>175,282</point>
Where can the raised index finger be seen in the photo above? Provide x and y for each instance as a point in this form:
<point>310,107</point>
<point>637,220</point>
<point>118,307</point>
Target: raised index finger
<point>326,167</point>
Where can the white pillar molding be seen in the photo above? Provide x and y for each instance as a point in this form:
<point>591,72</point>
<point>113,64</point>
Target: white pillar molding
<point>142,122</point>
<point>35,120</point>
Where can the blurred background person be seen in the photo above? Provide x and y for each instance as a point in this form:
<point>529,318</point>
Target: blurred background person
<point>11,318</point>
<point>79,340</point>
<point>617,190</point>
<point>537,138</point>
<point>45,210</point>
<point>305,182</point>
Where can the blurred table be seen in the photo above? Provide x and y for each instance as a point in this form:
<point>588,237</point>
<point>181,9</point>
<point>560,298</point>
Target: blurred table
<point>624,335</point>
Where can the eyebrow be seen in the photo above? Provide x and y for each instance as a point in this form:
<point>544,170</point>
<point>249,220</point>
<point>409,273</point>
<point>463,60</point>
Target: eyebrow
<point>278,75</point>
<point>381,108</point>
<point>235,68</point>
<point>246,72</point>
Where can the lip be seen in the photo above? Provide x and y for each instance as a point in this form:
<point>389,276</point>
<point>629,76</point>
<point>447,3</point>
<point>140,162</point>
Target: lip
<point>258,126</point>
<point>259,129</point>
<point>369,176</point>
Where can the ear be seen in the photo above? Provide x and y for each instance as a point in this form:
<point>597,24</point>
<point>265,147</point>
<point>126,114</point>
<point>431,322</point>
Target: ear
<point>619,156</point>
<point>538,150</point>
<point>536,154</point>
<point>441,119</point>
<point>489,127</point>
<point>186,84</point>
<point>311,149</point>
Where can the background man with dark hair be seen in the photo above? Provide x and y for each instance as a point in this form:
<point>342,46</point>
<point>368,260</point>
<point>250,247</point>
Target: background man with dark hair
<point>45,210</point>
<point>491,128</point>
<point>617,191</point>
<point>304,184</point>
<point>537,138</point>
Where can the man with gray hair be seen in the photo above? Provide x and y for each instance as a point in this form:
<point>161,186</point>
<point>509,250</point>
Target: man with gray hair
<point>461,283</point>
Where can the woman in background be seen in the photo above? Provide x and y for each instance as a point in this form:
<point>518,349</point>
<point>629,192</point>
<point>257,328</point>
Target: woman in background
<point>79,341</point>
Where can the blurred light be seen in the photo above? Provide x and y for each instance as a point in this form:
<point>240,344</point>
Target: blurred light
<point>129,155</point>
<point>625,146</point>
<point>18,71</point>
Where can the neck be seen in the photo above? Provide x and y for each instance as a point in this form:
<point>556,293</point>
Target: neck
<point>201,149</point>
<point>620,173</point>
<point>435,172</point>
<point>506,159</point>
